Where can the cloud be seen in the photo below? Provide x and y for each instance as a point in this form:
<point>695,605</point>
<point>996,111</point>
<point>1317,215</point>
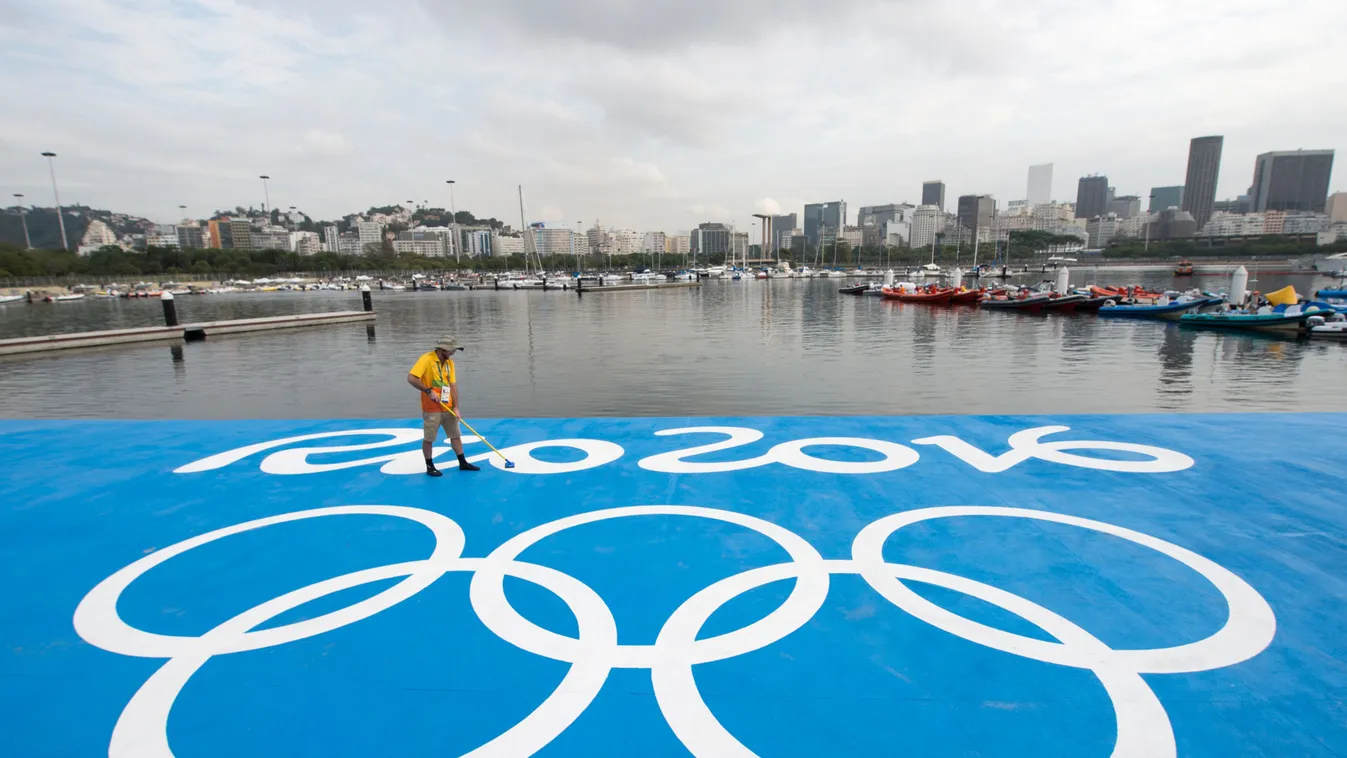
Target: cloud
<point>767,205</point>
<point>654,115</point>
<point>648,26</point>
<point>712,212</point>
<point>318,143</point>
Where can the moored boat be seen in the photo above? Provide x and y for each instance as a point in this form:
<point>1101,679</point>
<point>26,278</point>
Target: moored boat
<point>63,298</point>
<point>11,298</point>
<point>1333,326</point>
<point>1125,293</point>
<point>967,297</point>
<point>1091,304</point>
<point>1064,303</point>
<point>1185,268</point>
<point>855,289</point>
<point>930,295</point>
<point>1018,302</point>
<point>1288,319</point>
<point>1169,311</point>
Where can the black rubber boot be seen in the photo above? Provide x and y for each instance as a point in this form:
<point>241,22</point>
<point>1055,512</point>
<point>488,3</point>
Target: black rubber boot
<point>431,470</point>
<point>463,464</point>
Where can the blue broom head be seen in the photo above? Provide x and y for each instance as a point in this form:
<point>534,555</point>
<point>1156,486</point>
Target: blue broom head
<point>509,464</point>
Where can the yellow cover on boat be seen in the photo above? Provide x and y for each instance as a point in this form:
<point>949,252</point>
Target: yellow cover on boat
<point>1284,296</point>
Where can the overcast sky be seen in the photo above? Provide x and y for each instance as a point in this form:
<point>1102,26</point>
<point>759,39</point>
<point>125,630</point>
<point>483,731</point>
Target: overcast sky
<point>649,114</point>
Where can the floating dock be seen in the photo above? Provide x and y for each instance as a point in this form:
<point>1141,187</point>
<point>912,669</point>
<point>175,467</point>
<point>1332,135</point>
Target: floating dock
<point>636,287</point>
<point>79,340</point>
<point>268,323</point>
<point>189,332</point>
<point>1139,585</point>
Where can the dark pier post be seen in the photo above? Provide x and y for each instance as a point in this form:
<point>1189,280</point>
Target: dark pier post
<point>170,309</point>
<point>579,286</point>
<point>366,299</point>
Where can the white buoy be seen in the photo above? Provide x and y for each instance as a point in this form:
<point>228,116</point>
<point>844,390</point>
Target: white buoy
<point>1063,279</point>
<point>1239,285</point>
<point>888,278</point>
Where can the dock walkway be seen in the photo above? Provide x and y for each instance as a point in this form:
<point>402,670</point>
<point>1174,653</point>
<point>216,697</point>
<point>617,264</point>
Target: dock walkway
<point>189,332</point>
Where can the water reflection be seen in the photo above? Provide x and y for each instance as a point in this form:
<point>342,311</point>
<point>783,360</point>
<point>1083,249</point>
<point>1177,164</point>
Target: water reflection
<point>728,349</point>
<point>1176,362</point>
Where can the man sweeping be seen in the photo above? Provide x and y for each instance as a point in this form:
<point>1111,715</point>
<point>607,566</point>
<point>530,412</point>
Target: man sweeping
<point>434,377</point>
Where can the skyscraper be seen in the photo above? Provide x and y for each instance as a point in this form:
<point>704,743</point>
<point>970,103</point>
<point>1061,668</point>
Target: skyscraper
<point>1040,185</point>
<point>782,228</point>
<point>933,193</point>
<point>1092,196</point>
<point>820,216</point>
<point>878,215</point>
<point>1336,208</point>
<point>1165,197</point>
<point>710,238</point>
<point>1293,180</point>
<point>1204,166</point>
<point>190,236</point>
<point>976,212</point>
<point>1125,206</point>
<point>371,233</point>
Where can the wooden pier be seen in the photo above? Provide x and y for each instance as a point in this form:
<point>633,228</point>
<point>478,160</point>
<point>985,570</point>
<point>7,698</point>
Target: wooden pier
<point>89,339</point>
<point>587,290</point>
<point>193,332</point>
<point>178,332</point>
<point>188,332</point>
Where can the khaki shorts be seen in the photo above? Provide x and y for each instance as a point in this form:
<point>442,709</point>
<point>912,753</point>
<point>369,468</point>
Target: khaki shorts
<point>431,423</point>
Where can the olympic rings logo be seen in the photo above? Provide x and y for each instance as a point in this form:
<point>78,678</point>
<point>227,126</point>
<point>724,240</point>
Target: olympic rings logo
<point>1143,727</point>
<point>1024,445</point>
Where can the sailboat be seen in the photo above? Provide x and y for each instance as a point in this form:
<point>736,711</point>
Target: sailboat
<point>527,280</point>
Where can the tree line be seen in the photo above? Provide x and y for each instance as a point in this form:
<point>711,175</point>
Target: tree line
<point>1026,247</point>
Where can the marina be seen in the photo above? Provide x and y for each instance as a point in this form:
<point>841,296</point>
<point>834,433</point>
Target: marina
<point>748,347</point>
<point>939,585</point>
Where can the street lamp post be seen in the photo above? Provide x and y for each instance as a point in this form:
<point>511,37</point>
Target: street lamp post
<point>27,243</point>
<point>453,217</point>
<point>266,196</point>
<point>60,220</point>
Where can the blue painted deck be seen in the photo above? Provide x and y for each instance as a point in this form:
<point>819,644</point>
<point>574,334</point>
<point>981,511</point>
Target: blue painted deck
<point>999,586</point>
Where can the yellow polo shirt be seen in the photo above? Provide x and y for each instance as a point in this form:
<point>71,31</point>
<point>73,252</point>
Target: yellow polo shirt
<point>438,376</point>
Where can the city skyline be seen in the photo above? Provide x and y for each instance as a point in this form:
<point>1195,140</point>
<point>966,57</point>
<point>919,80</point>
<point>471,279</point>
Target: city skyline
<point>340,108</point>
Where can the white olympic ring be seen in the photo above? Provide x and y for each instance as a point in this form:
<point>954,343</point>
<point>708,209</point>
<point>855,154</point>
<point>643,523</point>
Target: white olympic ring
<point>1143,727</point>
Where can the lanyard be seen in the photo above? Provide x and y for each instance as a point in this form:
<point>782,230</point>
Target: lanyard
<point>440,374</point>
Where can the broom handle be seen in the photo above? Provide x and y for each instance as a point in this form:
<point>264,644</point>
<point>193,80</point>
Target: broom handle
<point>474,431</point>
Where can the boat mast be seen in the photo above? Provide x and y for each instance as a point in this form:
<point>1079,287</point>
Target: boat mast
<point>958,241</point>
<point>834,250</point>
<point>528,234</point>
<point>975,239</point>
